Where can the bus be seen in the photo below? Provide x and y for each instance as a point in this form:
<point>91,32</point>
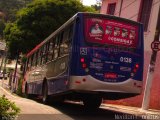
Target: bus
<point>91,57</point>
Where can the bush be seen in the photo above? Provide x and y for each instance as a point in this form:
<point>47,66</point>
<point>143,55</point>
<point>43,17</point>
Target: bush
<point>8,109</point>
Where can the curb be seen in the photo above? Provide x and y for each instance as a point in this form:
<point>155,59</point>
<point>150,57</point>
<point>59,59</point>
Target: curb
<point>5,85</point>
<point>132,110</point>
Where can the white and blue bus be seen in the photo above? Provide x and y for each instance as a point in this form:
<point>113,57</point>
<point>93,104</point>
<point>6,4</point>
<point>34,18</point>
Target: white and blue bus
<point>91,57</point>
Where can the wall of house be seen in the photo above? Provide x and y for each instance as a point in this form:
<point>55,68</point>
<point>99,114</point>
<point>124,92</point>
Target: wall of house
<point>105,5</point>
<point>149,35</point>
<point>130,10</point>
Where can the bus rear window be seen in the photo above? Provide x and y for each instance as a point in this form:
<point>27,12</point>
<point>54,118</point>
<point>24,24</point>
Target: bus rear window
<point>107,31</point>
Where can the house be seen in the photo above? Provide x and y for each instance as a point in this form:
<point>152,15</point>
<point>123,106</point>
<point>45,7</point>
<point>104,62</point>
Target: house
<point>148,13</point>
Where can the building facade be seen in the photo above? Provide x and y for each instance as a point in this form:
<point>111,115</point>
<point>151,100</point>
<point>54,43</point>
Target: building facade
<point>146,12</point>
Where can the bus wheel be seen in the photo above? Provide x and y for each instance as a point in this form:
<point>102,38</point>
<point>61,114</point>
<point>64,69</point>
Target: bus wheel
<point>45,93</point>
<point>92,102</point>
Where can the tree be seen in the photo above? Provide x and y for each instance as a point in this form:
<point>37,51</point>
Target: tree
<point>10,7</point>
<point>2,27</point>
<point>97,6</point>
<point>38,20</point>
<point>99,2</point>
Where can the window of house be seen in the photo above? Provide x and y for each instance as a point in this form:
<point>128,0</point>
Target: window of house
<point>145,12</point>
<point>111,8</point>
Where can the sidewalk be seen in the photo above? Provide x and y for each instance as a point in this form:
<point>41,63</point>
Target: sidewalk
<point>150,114</point>
<point>4,83</point>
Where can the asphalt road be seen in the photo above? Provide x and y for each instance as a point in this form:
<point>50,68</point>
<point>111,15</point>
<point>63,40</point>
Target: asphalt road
<point>34,110</point>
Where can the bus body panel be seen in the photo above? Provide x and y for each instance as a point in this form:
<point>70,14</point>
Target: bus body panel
<point>81,83</point>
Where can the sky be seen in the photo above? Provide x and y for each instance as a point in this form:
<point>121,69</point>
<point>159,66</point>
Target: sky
<point>89,2</point>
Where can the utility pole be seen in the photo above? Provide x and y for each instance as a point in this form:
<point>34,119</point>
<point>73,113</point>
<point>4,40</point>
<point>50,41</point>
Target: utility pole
<point>155,48</point>
<point>120,8</point>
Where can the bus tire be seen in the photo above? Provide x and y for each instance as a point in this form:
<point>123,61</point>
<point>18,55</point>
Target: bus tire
<point>45,97</point>
<point>92,102</point>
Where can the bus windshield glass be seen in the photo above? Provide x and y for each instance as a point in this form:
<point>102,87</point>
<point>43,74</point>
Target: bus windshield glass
<point>108,31</point>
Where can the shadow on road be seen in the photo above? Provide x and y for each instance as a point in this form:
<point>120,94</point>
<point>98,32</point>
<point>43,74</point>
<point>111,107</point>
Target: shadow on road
<point>78,112</point>
<point>71,111</point>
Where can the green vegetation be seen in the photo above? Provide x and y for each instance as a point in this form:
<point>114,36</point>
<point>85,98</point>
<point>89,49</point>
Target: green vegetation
<point>37,21</point>
<point>2,27</point>
<point>8,10</point>
<point>19,90</point>
<point>8,109</point>
<point>10,7</point>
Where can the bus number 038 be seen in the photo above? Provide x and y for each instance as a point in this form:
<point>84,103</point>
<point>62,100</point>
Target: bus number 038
<point>126,59</point>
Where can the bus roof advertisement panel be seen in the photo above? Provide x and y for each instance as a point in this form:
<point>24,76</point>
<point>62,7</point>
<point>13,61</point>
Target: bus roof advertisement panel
<point>109,31</point>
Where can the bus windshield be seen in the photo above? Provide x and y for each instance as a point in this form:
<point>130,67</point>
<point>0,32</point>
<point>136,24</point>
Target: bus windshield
<point>108,31</point>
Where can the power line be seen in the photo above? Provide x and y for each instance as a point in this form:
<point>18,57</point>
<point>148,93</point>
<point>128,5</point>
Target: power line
<point>126,7</point>
<point>138,13</point>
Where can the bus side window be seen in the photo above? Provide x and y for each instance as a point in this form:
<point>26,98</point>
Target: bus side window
<point>69,37</point>
<point>65,45</point>
<point>36,58</point>
<point>50,50</point>
<point>40,56</point>
<point>70,34</point>
<point>28,64</point>
<point>61,39</point>
<point>32,61</point>
<point>44,54</point>
<point>56,47</point>
<point>25,66</point>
